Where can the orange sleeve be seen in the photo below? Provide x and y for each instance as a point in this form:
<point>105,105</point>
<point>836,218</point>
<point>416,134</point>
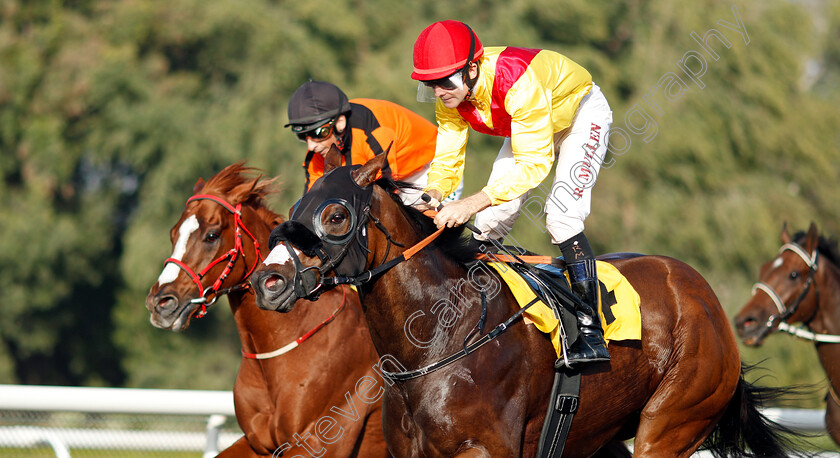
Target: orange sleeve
<point>385,136</point>
<point>413,148</point>
<point>360,151</point>
<point>316,169</point>
<point>412,138</point>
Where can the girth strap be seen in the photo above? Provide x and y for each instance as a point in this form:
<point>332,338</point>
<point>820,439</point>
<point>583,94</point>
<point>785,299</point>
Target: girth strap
<point>564,401</point>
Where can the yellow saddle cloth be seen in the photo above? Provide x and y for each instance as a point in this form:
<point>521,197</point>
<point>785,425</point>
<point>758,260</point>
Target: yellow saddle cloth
<point>622,320</point>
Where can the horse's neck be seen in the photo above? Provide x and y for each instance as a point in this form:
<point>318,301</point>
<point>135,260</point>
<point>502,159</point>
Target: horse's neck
<point>418,299</point>
<point>827,318</point>
<point>261,331</point>
<point>829,354</point>
<point>420,314</point>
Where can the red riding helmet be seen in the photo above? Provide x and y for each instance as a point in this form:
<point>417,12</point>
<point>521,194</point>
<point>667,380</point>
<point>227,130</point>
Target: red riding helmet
<point>443,48</point>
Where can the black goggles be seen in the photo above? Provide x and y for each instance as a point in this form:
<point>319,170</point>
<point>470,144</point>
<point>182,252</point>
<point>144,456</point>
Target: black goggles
<point>318,133</point>
<point>453,81</point>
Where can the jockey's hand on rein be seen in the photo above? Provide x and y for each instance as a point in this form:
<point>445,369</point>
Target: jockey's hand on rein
<point>459,212</point>
<point>429,201</point>
<point>453,214</point>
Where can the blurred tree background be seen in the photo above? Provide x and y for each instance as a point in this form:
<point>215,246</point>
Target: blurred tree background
<point>111,110</point>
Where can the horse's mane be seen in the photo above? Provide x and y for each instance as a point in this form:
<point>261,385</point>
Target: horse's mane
<point>826,246</point>
<point>451,241</point>
<point>245,185</point>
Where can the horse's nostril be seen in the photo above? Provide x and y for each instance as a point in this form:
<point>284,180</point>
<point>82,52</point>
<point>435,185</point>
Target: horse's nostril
<point>274,282</point>
<point>165,302</point>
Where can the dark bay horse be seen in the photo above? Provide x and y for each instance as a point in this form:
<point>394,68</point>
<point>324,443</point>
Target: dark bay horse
<point>305,382</point>
<point>801,285</point>
<point>680,386</point>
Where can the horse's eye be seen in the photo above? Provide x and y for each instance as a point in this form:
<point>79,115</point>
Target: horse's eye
<point>337,218</point>
<point>211,236</point>
<point>794,275</point>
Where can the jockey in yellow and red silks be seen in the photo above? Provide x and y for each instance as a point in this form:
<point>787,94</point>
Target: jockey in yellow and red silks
<point>549,111</point>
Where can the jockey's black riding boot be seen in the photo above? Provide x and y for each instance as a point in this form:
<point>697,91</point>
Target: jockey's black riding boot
<point>580,262</point>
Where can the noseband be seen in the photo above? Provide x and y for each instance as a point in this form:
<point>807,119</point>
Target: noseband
<point>785,311</point>
<point>204,294</point>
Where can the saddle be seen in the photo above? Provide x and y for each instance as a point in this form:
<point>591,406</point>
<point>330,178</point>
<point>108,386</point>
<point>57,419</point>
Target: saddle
<point>553,311</point>
<point>542,286</point>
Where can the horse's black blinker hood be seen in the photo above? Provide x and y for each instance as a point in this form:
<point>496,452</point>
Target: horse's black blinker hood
<point>345,253</point>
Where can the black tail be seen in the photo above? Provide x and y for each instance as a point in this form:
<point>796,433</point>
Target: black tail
<point>745,432</point>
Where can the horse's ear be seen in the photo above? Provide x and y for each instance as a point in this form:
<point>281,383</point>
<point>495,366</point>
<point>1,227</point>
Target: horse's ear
<point>370,171</point>
<point>332,159</point>
<point>199,185</point>
<point>812,238</point>
<point>785,234</point>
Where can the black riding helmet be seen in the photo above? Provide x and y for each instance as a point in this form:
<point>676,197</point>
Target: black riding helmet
<point>315,102</point>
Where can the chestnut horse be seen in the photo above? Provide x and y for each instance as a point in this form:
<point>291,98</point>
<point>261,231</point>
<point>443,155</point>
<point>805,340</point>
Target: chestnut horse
<point>801,285</point>
<point>288,398</point>
<point>680,386</point>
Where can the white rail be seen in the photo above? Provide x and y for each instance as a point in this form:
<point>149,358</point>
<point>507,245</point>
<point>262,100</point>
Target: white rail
<point>215,404</point>
<point>115,400</point>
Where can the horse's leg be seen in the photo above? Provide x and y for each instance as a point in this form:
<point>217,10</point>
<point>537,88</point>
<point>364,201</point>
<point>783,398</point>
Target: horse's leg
<point>373,440</point>
<point>673,427</point>
<point>832,417</point>
<point>692,395</point>
<point>240,448</point>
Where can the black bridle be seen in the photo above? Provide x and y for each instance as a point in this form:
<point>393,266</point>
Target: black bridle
<point>310,282</point>
<point>344,256</point>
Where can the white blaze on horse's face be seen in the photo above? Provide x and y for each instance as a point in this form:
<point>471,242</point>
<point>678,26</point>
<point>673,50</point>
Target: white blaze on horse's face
<point>777,263</point>
<point>171,271</point>
<point>279,255</point>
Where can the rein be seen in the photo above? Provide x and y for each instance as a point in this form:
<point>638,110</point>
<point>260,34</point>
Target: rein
<point>309,288</point>
<point>785,311</point>
<point>368,275</point>
<point>231,256</point>
<point>485,339</point>
<point>315,287</point>
<point>805,334</point>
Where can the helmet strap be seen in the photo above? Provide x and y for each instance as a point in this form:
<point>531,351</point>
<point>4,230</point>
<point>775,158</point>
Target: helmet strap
<point>470,81</point>
<point>340,136</point>
<point>472,48</point>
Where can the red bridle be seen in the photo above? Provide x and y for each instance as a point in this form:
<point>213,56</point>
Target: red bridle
<point>231,256</point>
